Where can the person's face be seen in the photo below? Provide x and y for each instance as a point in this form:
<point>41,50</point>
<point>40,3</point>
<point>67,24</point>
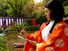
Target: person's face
<point>47,13</point>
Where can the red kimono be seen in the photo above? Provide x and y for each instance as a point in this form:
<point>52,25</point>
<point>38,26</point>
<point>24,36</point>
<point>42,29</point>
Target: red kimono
<point>57,40</point>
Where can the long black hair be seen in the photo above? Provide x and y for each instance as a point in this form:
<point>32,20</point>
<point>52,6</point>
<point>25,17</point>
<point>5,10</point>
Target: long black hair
<point>57,11</point>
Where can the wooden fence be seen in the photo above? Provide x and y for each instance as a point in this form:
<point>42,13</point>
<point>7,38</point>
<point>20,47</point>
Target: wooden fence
<point>8,20</point>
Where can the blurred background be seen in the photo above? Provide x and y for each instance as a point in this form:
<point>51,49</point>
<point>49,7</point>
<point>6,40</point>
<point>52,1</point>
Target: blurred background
<point>16,15</point>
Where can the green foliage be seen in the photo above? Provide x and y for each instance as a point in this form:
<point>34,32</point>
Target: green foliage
<point>19,8</point>
<point>3,45</point>
<point>1,30</point>
<point>25,8</point>
<point>15,7</point>
<point>65,4</point>
<point>14,28</point>
<point>66,11</point>
<point>29,27</point>
<point>25,26</point>
<point>3,9</point>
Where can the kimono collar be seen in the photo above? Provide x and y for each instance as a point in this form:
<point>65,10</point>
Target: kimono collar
<point>45,32</point>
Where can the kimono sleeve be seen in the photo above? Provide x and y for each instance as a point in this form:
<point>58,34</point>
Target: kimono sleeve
<point>33,36</point>
<point>37,35</point>
<point>55,33</point>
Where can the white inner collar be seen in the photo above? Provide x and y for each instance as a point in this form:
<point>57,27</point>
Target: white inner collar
<point>45,31</point>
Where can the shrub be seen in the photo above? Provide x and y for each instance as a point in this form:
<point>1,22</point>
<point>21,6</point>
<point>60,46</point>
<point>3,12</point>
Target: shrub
<point>3,45</point>
<point>29,27</point>
<point>25,25</point>
<point>1,30</point>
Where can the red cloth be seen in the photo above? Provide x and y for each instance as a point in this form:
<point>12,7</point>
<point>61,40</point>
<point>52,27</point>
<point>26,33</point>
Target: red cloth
<point>34,22</point>
<point>58,39</point>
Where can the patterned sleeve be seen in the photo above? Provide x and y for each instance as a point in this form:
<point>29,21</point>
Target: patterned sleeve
<point>56,32</point>
<point>37,35</point>
<point>33,36</point>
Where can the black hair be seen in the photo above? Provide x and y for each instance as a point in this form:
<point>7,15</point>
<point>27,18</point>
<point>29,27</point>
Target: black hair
<point>57,11</point>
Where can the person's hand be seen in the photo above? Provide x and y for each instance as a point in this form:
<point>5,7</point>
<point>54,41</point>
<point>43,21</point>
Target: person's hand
<point>23,33</point>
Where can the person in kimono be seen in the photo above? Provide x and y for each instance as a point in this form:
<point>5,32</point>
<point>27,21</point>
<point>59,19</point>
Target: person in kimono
<point>52,36</point>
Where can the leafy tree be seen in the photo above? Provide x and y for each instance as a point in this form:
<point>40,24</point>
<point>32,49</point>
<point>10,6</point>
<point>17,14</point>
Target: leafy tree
<point>25,8</point>
<point>65,4</point>
<point>15,7</point>
<point>3,8</point>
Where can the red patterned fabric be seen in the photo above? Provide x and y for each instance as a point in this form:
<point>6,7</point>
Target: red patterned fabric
<point>57,41</point>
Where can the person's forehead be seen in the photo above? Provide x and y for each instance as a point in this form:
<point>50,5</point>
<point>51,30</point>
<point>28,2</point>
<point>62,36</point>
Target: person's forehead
<point>46,9</point>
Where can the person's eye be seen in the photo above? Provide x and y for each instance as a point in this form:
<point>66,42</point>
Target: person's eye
<point>47,11</point>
